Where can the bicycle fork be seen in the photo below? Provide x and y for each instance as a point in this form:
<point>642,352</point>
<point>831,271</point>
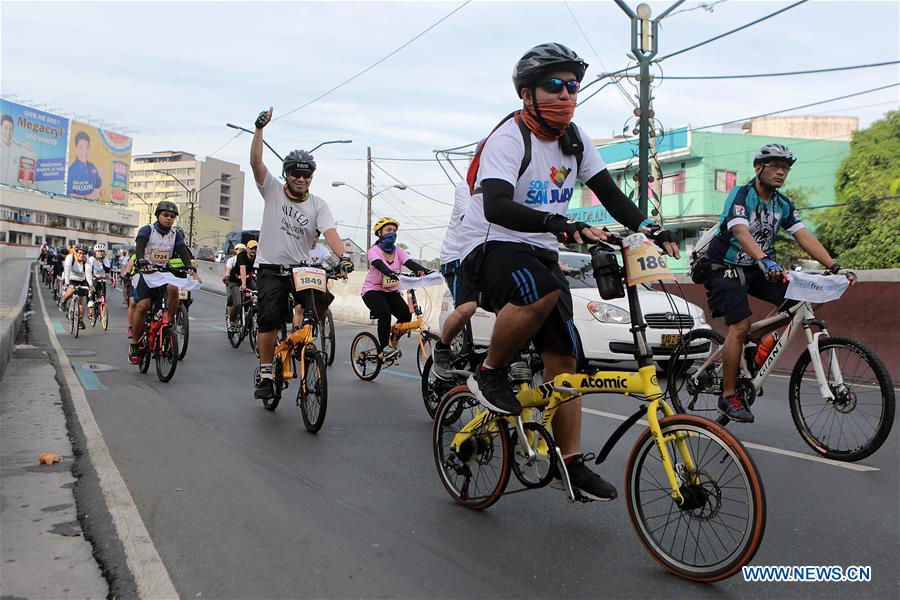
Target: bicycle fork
<point>816,360</point>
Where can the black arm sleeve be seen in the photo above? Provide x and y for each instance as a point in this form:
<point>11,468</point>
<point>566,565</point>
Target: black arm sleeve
<point>500,209</point>
<point>414,266</point>
<point>140,247</point>
<point>184,253</point>
<point>379,264</point>
<point>614,201</point>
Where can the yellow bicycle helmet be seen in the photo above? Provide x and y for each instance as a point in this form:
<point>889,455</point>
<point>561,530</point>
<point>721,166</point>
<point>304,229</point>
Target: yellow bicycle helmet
<point>385,221</point>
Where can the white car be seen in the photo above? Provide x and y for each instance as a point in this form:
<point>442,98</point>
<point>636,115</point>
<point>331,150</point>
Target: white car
<point>604,324</point>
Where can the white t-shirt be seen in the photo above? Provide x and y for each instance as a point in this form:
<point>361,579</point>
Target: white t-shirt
<point>547,185</point>
<point>461,200</point>
<point>289,228</point>
<point>318,254</point>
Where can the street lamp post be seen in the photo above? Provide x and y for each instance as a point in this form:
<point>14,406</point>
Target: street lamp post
<point>192,194</point>
<point>147,204</point>
<point>368,195</point>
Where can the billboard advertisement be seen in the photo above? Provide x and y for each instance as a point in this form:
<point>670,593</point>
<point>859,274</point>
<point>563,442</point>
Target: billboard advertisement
<point>33,148</point>
<point>99,162</point>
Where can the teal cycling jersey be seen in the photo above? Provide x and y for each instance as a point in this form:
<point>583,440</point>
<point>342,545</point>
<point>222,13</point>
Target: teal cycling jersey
<point>745,207</point>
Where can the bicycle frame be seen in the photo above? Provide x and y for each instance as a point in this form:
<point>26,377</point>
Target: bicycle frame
<point>304,338</point>
<point>398,330</point>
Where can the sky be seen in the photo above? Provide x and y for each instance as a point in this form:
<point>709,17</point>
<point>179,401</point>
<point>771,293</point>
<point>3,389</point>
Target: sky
<point>176,72</point>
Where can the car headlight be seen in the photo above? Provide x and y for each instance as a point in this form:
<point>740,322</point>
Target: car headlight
<point>608,313</point>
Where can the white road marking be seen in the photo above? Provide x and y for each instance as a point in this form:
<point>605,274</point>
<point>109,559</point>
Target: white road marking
<point>764,448</point>
<point>150,574</point>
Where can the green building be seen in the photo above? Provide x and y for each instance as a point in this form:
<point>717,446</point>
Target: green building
<point>699,169</point>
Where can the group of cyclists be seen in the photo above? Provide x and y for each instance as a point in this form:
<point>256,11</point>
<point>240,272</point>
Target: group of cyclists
<point>67,269</point>
<point>500,250</point>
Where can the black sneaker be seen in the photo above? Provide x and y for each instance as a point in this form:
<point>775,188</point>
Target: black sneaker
<point>585,482</point>
<point>734,408</point>
<point>265,389</point>
<point>81,325</point>
<point>492,390</point>
<point>441,361</point>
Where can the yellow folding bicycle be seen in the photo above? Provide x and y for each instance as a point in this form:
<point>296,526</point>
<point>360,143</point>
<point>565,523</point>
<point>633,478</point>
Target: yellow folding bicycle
<point>693,493</point>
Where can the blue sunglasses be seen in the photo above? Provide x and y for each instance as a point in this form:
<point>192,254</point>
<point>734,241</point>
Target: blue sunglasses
<point>555,85</point>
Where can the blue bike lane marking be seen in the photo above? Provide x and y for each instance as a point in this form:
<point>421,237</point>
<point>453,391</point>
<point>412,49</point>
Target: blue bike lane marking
<point>89,381</point>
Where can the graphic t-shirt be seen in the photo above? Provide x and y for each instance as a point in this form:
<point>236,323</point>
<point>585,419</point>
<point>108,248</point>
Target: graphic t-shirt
<point>83,179</point>
<point>461,201</point>
<point>374,278</point>
<point>289,228</point>
<point>745,207</point>
<point>318,254</point>
<point>547,185</point>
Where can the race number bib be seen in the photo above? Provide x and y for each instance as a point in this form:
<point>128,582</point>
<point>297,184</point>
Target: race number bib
<point>183,294</point>
<point>159,256</point>
<point>309,278</point>
<point>643,261</point>
<point>389,282</point>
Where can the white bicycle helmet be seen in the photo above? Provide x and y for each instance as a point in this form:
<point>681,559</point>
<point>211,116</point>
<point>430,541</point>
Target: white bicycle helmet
<point>774,152</point>
<point>100,247</point>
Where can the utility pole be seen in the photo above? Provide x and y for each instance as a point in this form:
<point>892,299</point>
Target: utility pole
<point>644,47</point>
<point>368,198</point>
<point>192,200</point>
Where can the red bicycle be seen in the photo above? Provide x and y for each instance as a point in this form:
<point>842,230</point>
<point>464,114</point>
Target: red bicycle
<point>98,308</point>
<point>159,340</point>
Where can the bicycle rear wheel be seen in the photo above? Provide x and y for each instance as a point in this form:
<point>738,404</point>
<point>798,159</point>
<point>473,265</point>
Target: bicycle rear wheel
<point>313,393</point>
<point>278,377</point>
<point>721,523</point>
<point>235,334</point>
<point>694,384</point>
<point>476,473</point>
<point>328,347</point>
<point>364,356</point>
<point>858,421</point>
<point>167,354</point>
<point>182,329</point>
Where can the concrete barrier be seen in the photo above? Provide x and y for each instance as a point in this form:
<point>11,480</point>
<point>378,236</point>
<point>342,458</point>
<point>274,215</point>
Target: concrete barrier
<point>15,277</point>
<point>348,305</point>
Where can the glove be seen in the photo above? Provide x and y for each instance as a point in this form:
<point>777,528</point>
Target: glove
<point>424,272</point>
<point>656,233</point>
<point>769,266</point>
<point>834,269</point>
<point>563,228</point>
<point>345,265</point>
<point>262,120</point>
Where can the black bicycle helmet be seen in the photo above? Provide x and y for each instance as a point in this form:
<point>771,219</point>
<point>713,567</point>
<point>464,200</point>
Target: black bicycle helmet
<point>166,205</point>
<point>298,159</point>
<point>543,59</point>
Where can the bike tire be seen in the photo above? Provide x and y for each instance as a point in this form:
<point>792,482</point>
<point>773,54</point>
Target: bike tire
<point>700,396</point>
<point>364,356</point>
<point>253,329</point>
<point>313,392</point>
<point>328,346</point>
<point>719,501</point>
<point>104,317</point>
<point>271,404</point>
<point>183,329</point>
<point>76,314</point>
<point>235,335</point>
<point>434,388</point>
<point>846,405</point>
<point>420,358</point>
<point>488,444</point>
<point>167,354</point>
<point>144,364</point>
<point>93,314</point>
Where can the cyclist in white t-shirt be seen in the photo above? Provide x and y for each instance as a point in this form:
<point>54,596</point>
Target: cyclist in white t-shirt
<point>291,217</point>
<point>511,232</point>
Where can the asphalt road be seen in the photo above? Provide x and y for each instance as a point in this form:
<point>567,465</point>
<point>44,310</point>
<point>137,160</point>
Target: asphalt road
<point>241,502</point>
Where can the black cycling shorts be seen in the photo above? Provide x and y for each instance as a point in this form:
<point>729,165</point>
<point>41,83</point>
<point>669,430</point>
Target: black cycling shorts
<point>145,292</point>
<point>461,286</point>
<point>727,296</point>
<point>272,296</point>
<point>507,272</point>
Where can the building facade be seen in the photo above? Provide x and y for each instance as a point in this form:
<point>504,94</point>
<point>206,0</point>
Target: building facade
<point>698,170</point>
<point>218,186</point>
<point>33,218</point>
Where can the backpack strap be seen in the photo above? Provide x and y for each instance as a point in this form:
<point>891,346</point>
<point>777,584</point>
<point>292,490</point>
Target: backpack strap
<point>472,173</point>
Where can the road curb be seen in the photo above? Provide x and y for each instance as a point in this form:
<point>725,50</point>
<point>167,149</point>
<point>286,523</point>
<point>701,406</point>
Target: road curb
<point>12,326</point>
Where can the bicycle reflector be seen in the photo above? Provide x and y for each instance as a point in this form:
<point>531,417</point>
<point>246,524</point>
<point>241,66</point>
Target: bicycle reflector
<point>607,273</point>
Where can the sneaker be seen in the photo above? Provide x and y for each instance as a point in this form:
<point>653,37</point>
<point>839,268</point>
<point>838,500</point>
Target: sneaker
<point>585,482</point>
<point>388,353</point>
<point>733,407</point>
<point>81,325</point>
<point>492,390</point>
<point>265,389</point>
<point>134,354</point>
<point>441,361</point>
<point>129,334</point>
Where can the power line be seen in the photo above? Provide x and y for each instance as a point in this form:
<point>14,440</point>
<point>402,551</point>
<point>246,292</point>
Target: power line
<point>782,74</point>
<point>707,6</point>
<point>424,195</point>
<point>378,62</point>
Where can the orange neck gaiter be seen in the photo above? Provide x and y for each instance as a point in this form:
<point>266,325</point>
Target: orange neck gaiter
<point>557,114</point>
<point>292,197</point>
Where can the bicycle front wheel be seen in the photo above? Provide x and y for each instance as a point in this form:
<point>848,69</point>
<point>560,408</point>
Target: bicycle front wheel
<point>93,313</point>
<point>252,329</point>
<point>364,356</point>
<point>313,394</point>
<point>721,523</point>
<point>476,472</point>
<point>167,354</point>
<point>694,374</point>
<point>423,352</point>
<point>73,319</point>
<point>857,422</point>
<point>104,316</point>
<point>183,330</point>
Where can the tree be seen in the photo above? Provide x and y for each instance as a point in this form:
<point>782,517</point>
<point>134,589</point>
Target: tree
<point>862,232</point>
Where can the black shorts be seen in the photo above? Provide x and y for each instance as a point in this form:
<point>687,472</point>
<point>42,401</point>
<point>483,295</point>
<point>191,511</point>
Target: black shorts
<point>727,296</point>
<point>145,292</point>
<point>273,290</point>
<point>461,287</point>
<point>506,272</point>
